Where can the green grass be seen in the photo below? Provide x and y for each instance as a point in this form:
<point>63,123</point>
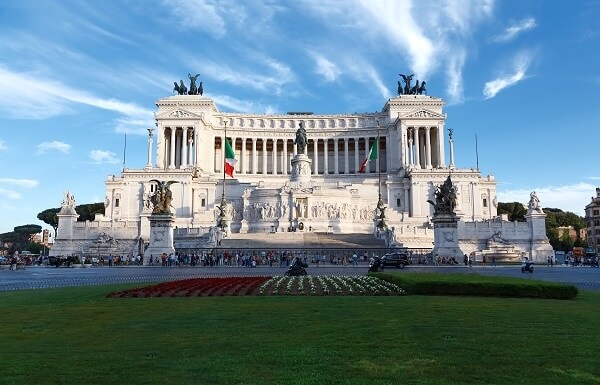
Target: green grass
<point>478,285</point>
<point>77,336</point>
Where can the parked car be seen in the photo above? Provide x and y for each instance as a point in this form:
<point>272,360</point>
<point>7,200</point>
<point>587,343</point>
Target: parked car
<point>398,259</point>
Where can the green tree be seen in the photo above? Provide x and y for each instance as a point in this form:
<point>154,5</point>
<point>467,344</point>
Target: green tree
<point>49,216</point>
<point>27,232</point>
<point>515,210</point>
<point>87,212</point>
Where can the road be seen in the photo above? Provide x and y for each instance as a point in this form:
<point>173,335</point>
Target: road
<point>584,278</point>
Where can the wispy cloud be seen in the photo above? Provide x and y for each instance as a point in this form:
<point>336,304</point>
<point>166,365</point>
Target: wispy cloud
<point>2,145</point>
<point>455,77</point>
<point>206,16</point>
<point>573,197</point>
<point>28,96</point>
<point>239,105</point>
<point>518,73</point>
<point>44,147</point>
<point>26,183</point>
<point>9,194</point>
<point>511,32</point>
<point>101,156</point>
<point>425,36</point>
<point>276,77</point>
<point>325,68</point>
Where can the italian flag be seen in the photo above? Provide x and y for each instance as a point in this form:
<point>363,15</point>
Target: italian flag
<point>229,159</point>
<point>372,156</point>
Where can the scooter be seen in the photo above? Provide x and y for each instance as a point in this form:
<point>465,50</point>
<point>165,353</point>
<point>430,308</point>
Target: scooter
<point>375,265</point>
<point>297,268</point>
<point>527,266</point>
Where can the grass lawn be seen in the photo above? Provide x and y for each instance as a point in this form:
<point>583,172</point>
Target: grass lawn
<point>77,336</point>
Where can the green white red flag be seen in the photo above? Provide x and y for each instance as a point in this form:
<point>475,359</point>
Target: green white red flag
<point>372,156</point>
<point>230,160</point>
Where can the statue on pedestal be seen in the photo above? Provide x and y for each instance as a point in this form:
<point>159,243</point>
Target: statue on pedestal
<point>301,140</point>
<point>445,198</point>
<point>534,202</point>
<point>162,197</point>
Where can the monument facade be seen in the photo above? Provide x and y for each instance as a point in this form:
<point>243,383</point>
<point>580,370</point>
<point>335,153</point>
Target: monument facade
<point>293,172</point>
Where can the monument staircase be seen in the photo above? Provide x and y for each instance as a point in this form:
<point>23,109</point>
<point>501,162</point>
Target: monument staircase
<point>302,240</point>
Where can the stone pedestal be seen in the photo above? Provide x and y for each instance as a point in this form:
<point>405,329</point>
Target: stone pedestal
<point>301,168</point>
<point>540,247</point>
<point>445,236</point>
<point>161,236</point>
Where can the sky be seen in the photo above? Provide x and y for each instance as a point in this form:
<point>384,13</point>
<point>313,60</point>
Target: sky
<point>521,82</point>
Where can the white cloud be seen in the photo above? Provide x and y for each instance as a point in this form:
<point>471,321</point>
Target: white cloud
<point>101,156</point>
<point>2,145</point>
<point>520,66</point>
<point>366,73</point>
<point>242,105</point>
<point>571,198</point>
<point>9,194</point>
<point>27,183</point>
<point>514,30</point>
<point>424,34</point>
<point>44,147</point>
<point>31,96</point>
<point>325,68</point>
<point>273,81</point>
<point>455,78</point>
<point>203,15</point>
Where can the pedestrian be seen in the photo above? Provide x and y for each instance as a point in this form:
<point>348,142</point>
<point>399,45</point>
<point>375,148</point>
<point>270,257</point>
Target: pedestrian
<point>493,260</point>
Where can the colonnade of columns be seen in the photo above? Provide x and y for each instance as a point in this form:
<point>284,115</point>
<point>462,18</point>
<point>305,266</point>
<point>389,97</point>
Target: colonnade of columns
<point>423,147</point>
<point>178,151</point>
<point>273,155</point>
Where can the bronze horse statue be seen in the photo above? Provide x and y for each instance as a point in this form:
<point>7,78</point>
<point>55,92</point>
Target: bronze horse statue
<point>161,200</point>
<point>193,89</point>
<point>180,88</point>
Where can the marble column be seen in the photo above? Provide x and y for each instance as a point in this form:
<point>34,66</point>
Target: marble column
<point>184,148</point>
<point>410,151</point>
<point>274,156</point>
<point>325,157</point>
<point>336,169</point>
<point>243,160</point>
<point>427,147</point>
<point>417,149</point>
<point>441,153</point>
<point>284,158</point>
<point>356,155</point>
<point>149,163</point>
<point>315,156</point>
<point>254,157</point>
<point>172,148</point>
<point>264,156</point>
<point>346,160</point>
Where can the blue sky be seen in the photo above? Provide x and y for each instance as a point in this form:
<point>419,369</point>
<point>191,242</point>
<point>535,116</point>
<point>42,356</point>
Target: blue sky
<point>75,76</point>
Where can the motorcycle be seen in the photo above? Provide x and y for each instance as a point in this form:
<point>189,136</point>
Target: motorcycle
<point>375,265</point>
<point>527,266</point>
<point>297,268</point>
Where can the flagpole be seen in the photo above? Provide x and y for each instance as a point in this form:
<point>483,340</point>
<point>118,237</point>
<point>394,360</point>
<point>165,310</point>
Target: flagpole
<point>224,161</point>
<point>378,161</point>
<point>222,223</point>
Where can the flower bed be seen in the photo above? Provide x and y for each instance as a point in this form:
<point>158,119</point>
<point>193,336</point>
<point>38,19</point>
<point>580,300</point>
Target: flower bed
<point>307,285</point>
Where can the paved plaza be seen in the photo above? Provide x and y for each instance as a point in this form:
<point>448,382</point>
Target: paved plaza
<point>47,277</point>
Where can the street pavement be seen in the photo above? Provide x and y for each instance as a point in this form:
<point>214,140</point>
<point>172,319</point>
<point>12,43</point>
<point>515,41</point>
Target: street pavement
<point>39,277</point>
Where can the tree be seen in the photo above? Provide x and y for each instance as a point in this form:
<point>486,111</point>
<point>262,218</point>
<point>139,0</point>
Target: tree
<point>49,216</point>
<point>28,231</point>
<point>555,218</point>
<point>515,210</point>
<point>87,212</point>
